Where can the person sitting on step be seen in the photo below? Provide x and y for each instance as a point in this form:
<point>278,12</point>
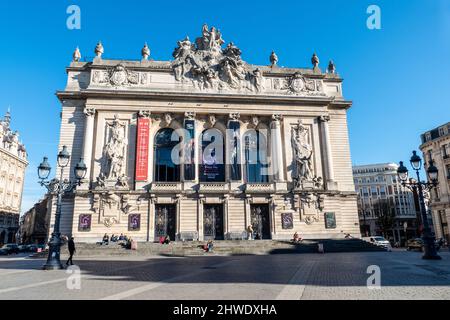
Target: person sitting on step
<point>296,238</point>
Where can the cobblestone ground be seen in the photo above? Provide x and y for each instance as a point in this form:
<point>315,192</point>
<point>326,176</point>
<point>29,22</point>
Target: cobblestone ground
<point>403,275</point>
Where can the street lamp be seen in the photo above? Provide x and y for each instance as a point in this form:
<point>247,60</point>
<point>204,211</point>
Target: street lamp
<point>58,187</point>
<point>419,186</point>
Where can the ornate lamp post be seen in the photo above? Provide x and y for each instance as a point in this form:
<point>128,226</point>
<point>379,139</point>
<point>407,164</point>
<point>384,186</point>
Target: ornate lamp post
<point>416,163</point>
<point>59,188</point>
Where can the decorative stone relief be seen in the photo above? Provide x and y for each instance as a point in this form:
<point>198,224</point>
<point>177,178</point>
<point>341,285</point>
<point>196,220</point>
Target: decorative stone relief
<point>310,206</point>
<point>298,85</point>
<point>110,207</point>
<point>119,76</point>
<point>208,66</point>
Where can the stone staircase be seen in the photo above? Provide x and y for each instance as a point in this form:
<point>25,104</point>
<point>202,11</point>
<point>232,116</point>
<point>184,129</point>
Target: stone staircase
<point>228,247</point>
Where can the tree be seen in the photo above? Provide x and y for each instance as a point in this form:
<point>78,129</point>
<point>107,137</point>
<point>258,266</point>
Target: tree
<point>386,215</point>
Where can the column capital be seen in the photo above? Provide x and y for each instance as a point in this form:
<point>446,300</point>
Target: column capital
<point>89,111</point>
<point>324,118</point>
<point>234,116</point>
<point>277,117</point>
<point>189,115</point>
<point>144,114</point>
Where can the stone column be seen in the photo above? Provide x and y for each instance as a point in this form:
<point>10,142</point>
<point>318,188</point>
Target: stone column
<point>87,144</point>
<point>330,183</point>
<point>225,215</point>
<point>200,202</point>
<point>276,147</point>
<point>151,218</point>
<point>178,219</point>
<point>247,211</point>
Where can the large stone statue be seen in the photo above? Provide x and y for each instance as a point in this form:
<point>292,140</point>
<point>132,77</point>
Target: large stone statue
<point>210,40</point>
<point>302,153</point>
<point>114,150</point>
<point>210,67</point>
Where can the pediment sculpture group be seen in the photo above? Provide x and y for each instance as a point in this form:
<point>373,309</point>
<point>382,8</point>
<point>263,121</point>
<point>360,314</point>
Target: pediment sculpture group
<point>209,66</point>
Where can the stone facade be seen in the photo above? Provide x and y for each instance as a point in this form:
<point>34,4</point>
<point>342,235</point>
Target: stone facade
<point>207,105</point>
<point>13,163</point>
<point>436,146</point>
<point>380,193</point>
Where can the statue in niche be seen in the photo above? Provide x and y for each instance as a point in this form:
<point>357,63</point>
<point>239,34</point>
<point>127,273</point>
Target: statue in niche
<point>114,150</point>
<point>302,153</point>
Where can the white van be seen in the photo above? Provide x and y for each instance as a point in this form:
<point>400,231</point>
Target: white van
<point>379,241</point>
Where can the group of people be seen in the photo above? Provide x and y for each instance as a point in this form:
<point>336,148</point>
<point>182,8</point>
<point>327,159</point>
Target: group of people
<point>114,238</point>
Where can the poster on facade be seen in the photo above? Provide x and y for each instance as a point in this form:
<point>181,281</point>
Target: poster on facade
<point>330,220</point>
<point>287,220</point>
<point>134,222</point>
<point>143,127</point>
<point>85,222</point>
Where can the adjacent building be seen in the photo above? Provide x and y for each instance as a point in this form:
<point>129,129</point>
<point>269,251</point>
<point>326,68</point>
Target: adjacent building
<point>384,206</point>
<point>34,223</point>
<point>436,147</point>
<point>205,145</point>
<point>13,163</point>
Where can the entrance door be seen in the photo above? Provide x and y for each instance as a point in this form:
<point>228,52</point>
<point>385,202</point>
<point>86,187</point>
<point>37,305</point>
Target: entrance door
<point>165,221</point>
<point>259,215</point>
<point>213,222</point>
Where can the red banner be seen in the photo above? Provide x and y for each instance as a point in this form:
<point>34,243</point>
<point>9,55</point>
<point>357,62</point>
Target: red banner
<point>143,130</point>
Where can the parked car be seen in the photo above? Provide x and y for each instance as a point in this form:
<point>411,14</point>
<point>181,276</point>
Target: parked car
<point>418,244</point>
<point>23,248</point>
<point>379,241</point>
<point>3,252</point>
<point>11,248</point>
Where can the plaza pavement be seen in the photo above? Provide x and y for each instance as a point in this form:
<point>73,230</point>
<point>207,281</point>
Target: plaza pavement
<point>404,275</point>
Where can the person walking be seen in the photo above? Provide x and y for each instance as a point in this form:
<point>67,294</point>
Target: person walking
<point>71,247</point>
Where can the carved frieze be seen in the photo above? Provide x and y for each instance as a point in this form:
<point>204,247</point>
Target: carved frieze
<point>119,76</point>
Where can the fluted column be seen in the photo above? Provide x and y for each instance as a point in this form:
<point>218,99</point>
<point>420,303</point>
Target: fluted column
<point>277,149</point>
<point>88,141</point>
<point>331,184</point>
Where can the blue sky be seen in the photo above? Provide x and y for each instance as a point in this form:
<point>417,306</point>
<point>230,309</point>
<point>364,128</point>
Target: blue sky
<point>398,77</point>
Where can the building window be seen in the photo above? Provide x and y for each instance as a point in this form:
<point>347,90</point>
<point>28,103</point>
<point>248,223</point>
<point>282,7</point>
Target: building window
<point>212,167</point>
<point>445,151</point>
<point>165,168</point>
<point>256,169</point>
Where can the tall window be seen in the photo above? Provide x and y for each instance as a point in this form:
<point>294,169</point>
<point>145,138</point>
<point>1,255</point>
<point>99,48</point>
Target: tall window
<point>165,167</point>
<point>255,146</point>
<point>212,167</point>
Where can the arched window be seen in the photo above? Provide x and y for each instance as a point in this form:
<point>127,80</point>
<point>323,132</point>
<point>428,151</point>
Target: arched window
<point>255,148</point>
<point>165,167</point>
<point>212,166</point>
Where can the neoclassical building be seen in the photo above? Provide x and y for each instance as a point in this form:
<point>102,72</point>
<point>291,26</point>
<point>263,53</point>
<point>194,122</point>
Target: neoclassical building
<point>436,147</point>
<point>205,145</point>
<point>13,163</point>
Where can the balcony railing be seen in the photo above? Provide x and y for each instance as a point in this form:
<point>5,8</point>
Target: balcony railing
<point>214,187</point>
<point>166,187</point>
<point>260,187</point>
